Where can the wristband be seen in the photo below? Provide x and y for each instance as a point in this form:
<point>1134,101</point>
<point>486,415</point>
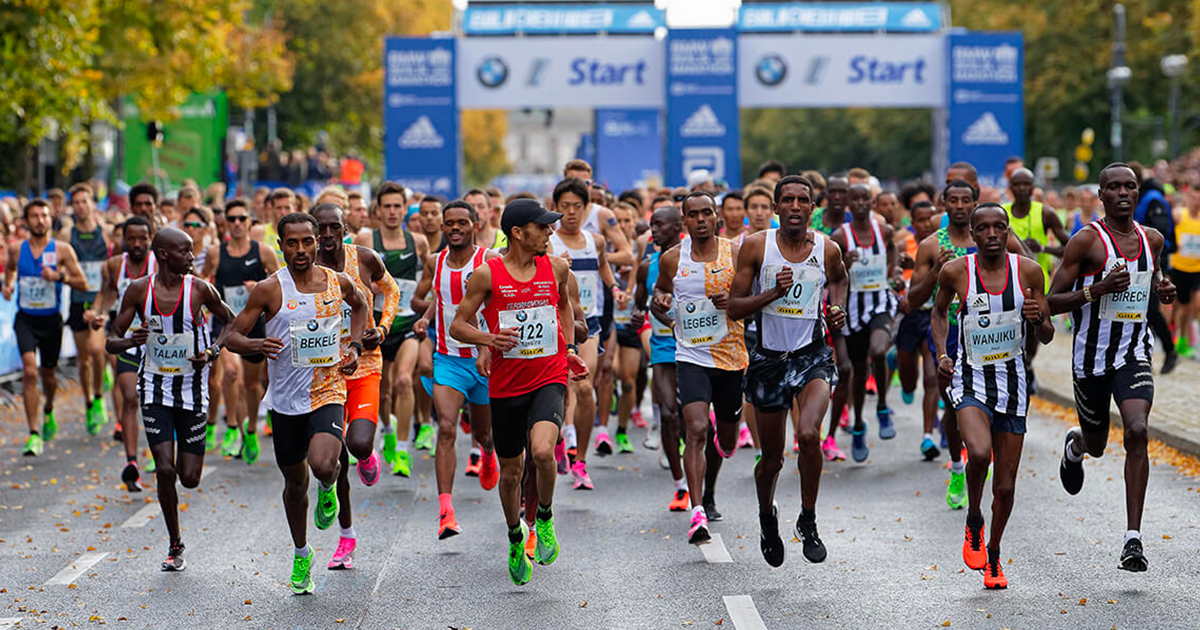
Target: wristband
<point>572,348</point>
<point>357,346</point>
<point>1087,293</point>
<point>944,356</point>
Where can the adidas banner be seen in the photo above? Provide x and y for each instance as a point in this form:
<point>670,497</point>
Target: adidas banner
<point>420,114</point>
<point>629,148</point>
<point>702,105</point>
<point>986,108</point>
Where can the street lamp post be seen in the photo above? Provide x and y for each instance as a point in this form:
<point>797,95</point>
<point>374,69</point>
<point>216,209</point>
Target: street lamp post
<point>1173,67</point>
<point>1118,77</point>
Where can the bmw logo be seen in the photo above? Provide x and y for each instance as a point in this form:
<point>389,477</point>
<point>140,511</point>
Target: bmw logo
<point>162,340</point>
<point>771,70</point>
<point>691,308</point>
<point>312,325</point>
<point>984,321</point>
<point>864,260</point>
<point>492,72</point>
<point>522,316</point>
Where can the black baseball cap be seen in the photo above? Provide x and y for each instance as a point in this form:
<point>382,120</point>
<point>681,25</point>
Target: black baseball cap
<point>525,211</point>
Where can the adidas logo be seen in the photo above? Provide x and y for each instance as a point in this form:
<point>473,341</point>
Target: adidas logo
<point>641,19</point>
<point>421,135</point>
<point>985,130</point>
<point>916,19</point>
<point>703,123</point>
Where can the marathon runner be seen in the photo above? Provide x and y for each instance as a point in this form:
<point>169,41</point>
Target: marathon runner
<point>695,276</point>
<point>173,376</point>
<point>307,366</point>
<point>914,358</point>
<point>488,237</point>
<point>990,379</point>
<point>43,264</point>
<point>87,239</point>
<point>1106,281</point>
<point>430,210</point>
<point>791,361</point>
<point>527,365</point>
<point>630,362</point>
<point>1185,272</point>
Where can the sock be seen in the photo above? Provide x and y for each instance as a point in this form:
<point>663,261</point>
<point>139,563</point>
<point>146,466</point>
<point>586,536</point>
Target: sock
<point>758,452</point>
<point>808,515</point>
<point>929,436</point>
<point>975,521</point>
<point>476,452</point>
<point>699,509</point>
<point>303,551</point>
<point>348,532</point>
<point>1131,534</point>
<point>33,432</point>
<point>620,430</point>
<point>657,416</point>
<point>323,487</point>
<point>402,446</point>
<point>1073,453</point>
<point>681,483</point>
<point>993,556</point>
<point>387,429</point>
<point>514,533</point>
<point>544,513</point>
<point>958,468</point>
<point>249,431</point>
<point>444,504</point>
<point>132,459</point>
<point>570,437</point>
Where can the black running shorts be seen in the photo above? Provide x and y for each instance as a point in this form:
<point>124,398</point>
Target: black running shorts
<point>1092,394</point>
<point>721,388</point>
<point>40,333</point>
<point>291,434</point>
<point>513,417</point>
<point>774,379</point>
<point>170,424</point>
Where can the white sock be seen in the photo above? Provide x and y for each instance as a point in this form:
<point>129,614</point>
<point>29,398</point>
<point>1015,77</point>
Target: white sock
<point>324,488</point>
<point>1131,534</point>
<point>929,436</point>
<point>348,532</point>
<point>569,436</point>
<point>302,551</point>
<point>699,509</point>
<point>958,468</point>
<point>475,451</point>
<point>1074,455</point>
<point>657,416</point>
<point>402,446</point>
<point>681,483</point>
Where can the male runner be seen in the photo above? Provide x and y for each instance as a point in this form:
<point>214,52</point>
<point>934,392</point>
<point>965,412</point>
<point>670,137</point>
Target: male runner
<point>430,209</point>
<point>914,358</point>
<point>1107,288</point>
<point>870,250</point>
<point>455,377</point>
<point>791,362</point>
<point>695,276</point>
<point>306,366</point>
<point>828,220</point>
<point>87,239</point>
<point>733,217</point>
<point>1185,272</point>
<point>628,346</point>
<point>526,297</point>
<point>42,265</point>
<point>990,380</point>
<point>488,237</point>
<point>173,376</point>
<point>759,208</point>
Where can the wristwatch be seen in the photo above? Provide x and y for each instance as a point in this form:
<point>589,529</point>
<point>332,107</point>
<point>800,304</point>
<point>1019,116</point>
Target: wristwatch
<point>572,349</point>
<point>357,345</point>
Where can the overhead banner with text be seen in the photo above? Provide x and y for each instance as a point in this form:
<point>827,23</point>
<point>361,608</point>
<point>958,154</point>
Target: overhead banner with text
<point>629,150</point>
<point>421,115</point>
<point>702,105</point>
<point>987,101</point>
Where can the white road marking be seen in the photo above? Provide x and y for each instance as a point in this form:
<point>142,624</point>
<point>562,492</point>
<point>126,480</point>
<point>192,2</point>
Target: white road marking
<point>76,568</point>
<point>142,516</point>
<point>743,613</point>
<point>8,622</point>
<point>208,470</point>
<point>715,551</point>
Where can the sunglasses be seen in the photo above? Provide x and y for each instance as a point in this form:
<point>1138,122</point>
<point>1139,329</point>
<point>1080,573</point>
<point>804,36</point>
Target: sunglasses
<point>237,218</point>
<point>195,225</point>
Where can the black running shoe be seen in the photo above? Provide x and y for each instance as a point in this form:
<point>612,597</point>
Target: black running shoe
<point>131,477</point>
<point>1069,472</point>
<point>1132,558</point>
<point>710,509</point>
<point>773,550</point>
<point>806,531</point>
<point>1169,363</point>
<point>175,561</point>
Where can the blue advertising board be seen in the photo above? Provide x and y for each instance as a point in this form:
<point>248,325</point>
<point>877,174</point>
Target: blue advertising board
<point>421,115</point>
<point>563,19</point>
<point>629,150</point>
<point>702,105</point>
<point>986,109</point>
<point>842,17</point>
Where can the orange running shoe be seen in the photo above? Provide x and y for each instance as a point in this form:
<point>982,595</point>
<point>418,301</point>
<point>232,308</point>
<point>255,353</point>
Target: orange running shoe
<point>680,502</point>
<point>473,465</point>
<point>489,471</point>
<point>447,525</point>
<point>531,543</point>
<point>464,421</point>
<point>974,553</point>
<point>993,575</point>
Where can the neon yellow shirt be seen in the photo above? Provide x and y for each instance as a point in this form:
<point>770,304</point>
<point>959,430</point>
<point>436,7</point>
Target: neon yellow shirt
<point>1187,237</point>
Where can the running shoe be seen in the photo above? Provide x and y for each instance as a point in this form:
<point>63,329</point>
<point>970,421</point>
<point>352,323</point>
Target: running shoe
<point>389,447</point>
<point>663,462</point>
<point>34,446</point>
<point>710,509</point>
<point>118,434</point>
<point>858,445</point>
<point>638,420</point>
<point>96,417</point>
<point>403,464</point>
<point>351,459</point>
<point>1182,348</point>
<point>424,441</point>
<point>49,426</point>
<point>872,388</point>
<point>795,445</point>
<point>653,439</point>
<point>956,492</point>
<point>464,421</point>
<point>975,555</point>
<point>342,557</point>
<point>327,507</point>
<point>604,445</point>
<point>531,543</point>
<point>368,469</point>
<point>547,541</point>
<point>1169,363</point>
<point>929,450</point>
<point>472,465</point>
<point>572,454</point>
<point>560,458</point>
<point>830,450</point>
<point>210,437</point>
<point>698,532</point>
<point>993,575</point>
<point>266,415</point>
<point>447,525</point>
<point>623,445</point>
<point>893,362</point>
<point>302,581</point>
<point>489,471</point>
<point>131,477</point>
<point>941,403</point>
<point>680,501</point>
<point>887,430</point>
<point>844,421</point>
<point>174,561</point>
<point>1069,472</point>
<point>582,481</point>
<point>806,531</point>
<point>231,443</point>
<point>151,465</point>
<point>250,449</point>
<point>907,396</point>
<point>744,438</point>
<point>1132,558</point>
<point>770,542</point>
<point>108,379</point>
<point>895,382</point>
<point>520,569</point>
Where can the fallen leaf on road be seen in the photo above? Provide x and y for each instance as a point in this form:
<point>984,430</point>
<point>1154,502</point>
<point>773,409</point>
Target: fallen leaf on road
<point>583,605</point>
<point>1083,601</point>
<point>247,602</point>
<point>946,623</point>
<point>1166,537</point>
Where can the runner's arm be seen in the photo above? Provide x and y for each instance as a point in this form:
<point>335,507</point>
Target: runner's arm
<point>212,259</point>
<point>69,262</point>
<point>108,291</point>
<point>939,322</point>
<point>424,285</point>
<point>391,291</point>
<point>1162,283</point>
<point>924,278</point>
<point>134,296</point>
<point>664,288</point>
<point>1061,298</point>
<point>270,261</point>
<point>360,310</point>
<point>640,295</point>
<point>622,254</point>
<point>837,282</point>
<point>1034,283</point>
<point>606,273</point>
<point>1017,246</point>
<point>262,296</point>
<point>749,261</point>
<point>579,319</point>
<point>211,298</point>
<point>10,270</point>
<point>1054,226</point>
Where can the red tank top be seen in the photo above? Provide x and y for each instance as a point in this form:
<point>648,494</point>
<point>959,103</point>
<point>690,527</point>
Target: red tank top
<point>532,308</point>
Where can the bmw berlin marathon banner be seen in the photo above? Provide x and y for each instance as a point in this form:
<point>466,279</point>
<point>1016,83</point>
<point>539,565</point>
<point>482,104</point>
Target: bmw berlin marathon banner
<point>987,102</point>
<point>629,150</point>
<point>421,114</point>
<point>702,105</point>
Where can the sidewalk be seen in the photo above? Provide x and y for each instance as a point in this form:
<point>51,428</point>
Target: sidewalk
<point>1175,418</point>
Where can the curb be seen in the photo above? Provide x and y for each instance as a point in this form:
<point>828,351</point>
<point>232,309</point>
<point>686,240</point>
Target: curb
<point>1182,443</point>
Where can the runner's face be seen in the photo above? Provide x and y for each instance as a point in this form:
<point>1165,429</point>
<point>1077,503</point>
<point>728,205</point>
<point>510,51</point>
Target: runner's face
<point>179,256</point>
<point>887,206</point>
<point>299,245</point>
<point>535,237</point>
<point>137,241</point>
<point>143,205</point>
<point>625,219</point>
<point>700,218</point>
<point>483,207</point>
<point>573,210</point>
<point>238,221</point>
<point>283,206</point>
<point>733,213</point>
<point>458,227</point>
<point>194,226</point>
<point>956,174</point>
<point>959,203</point>
<point>392,209</point>
<point>1118,193</point>
<point>1022,187</point>
<point>356,215</point>
<point>795,207</point>
<point>596,195</point>
<point>330,230</point>
<point>760,208</point>
<point>663,230</point>
<point>922,221</point>
<point>860,201</point>
<point>835,194</point>
<point>38,221</point>
<point>431,214</point>
<point>989,228</point>
<point>81,203</point>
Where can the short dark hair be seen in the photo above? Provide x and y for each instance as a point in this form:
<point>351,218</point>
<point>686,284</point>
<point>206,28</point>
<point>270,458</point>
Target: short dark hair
<point>791,179</point>
<point>733,194</point>
<point>985,206</point>
<point>923,204</point>
<point>1137,175</point>
<point>299,217</point>
<point>459,203</point>
<point>698,193</point>
<point>143,188</point>
<point>631,197</point>
<point>570,185</point>
<point>962,183</point>
<point>772,166</point>
<point>912,189</point>
<point>237,202</point>
<point>432,199</point>
<point>758,191</point>
<point>33,203</point>
<point>390,188</point>
<point>137,219</point>
<point>477,191</point>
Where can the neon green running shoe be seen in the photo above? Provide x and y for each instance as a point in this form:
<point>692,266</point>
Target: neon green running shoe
<point>1183,348</point>
<point>150,465</point>
<point>351,457</point>
<point>956,492</point>
<point>547,542</point>
<point>210,437</point>
<point>108,378</point>
<point>520,569</point>
<point>327,507</point>
<point>302,581</point>
<point>623,445</point>
<point>389,447</point>
<point>403,464</point>
<point>231,443</point>
<point>49,426</point>
<point>94,421</point>
<point>250,448</point>
<point>34,446</point>
<point>424,441</point>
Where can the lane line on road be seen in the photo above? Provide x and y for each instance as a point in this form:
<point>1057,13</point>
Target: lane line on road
<point>715,551</point>
<point>142,516</point>
<point>743,613</point>
<point>76,568</point>
<point>208,470</point>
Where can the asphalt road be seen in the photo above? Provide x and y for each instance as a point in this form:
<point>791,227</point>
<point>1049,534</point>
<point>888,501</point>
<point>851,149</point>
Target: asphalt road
<point>894,549</point>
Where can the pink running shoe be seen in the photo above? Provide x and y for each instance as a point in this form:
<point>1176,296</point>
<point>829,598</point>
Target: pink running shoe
<point>560,457</point>
<point>582,481</point>
<point>845,421</point>
<point>638,420</point>
<point>342,557</point>
<point>698,532</point>
<point>717,442</point>
<point>604,444</point>
<point>744,437</point>
<point>830,449</point>
<point>368,471</point>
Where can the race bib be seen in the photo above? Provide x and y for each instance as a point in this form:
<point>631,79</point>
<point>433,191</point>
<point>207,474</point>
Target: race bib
<point>1189,246</point>
<point>538,330</point>
<point>315,342</point>
<point>236,297</point>
<point>700,324</point>
<point>587,293</point>
<point>167,355</point>
<point>93,272</point>
<point>660,329</point>
<point>624,316</point>
<point>803,299</point>
<point>1131,304</point>
<point>36,292</point>
<point>992,337</point>
<point>408,289</point>
<point>869,272</point>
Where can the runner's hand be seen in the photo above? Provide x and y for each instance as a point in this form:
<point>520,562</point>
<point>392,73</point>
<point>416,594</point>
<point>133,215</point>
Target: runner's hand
<point>484,363</point>
<point>902,305</point>
<point>270,347</point>
<point>621,298</point>
<point>199,361</point>
<point>349,361</point>
<point>1030,309</point>
<point>661,303</point>
<point>944,256</point>
<point>576,366</point>
<point>372,338</point>
<point>504,340</point>
<point>720,300</point>
<point>1034,246</point>
<point>96,321</point>
<point>783,281</point>
<point>8,291</point>
<point>420,328</point>
<point>851,258</point>
<point>1166,290</point>
<point>906,261</point>
<point>946,367</point>
<point>51,274</point>
<point>1115,281</point>
<point>139,335</point>
<point>836,318</point>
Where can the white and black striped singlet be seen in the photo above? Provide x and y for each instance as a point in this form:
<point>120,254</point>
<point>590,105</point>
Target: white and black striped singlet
<point>166,377</point>
<point>990,366</point>
<point>870,293</point>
